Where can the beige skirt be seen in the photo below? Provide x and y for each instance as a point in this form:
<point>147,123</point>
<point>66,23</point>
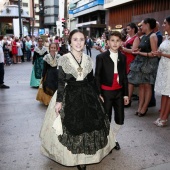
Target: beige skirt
<point>42,96</point>
<point>52,148</point>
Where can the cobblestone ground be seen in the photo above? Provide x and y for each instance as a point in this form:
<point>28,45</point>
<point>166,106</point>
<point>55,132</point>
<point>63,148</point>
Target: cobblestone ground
<point>143,145</point>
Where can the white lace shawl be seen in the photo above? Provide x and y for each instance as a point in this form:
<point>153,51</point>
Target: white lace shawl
<point>40,51</point>
<point>53,62</point>
<point>69,65</point>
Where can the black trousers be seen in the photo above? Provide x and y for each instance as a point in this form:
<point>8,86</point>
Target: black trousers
<point>1,73</point>
<point>114,99</point>
<point>88,49</point>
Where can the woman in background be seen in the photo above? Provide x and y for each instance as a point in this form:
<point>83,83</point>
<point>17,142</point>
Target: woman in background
<point>162,84</point>
<point>49,82</point>
<point>14,49</point>
<point>143,69</point>
<point>19,48</point>
<point>39,52</point>
<point>131,29</point>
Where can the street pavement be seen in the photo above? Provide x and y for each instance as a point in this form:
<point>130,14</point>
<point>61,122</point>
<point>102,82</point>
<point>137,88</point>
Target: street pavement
<point>143,145</point>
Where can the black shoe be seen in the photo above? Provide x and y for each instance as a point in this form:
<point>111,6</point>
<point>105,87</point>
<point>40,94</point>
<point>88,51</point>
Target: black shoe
<point>142,114</point>
<point>117,147</point>
<point>3,86</point>
<point>81,167</point>
<point>136,113</point>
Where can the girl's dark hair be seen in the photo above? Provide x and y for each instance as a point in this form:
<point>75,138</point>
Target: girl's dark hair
<point>56,37</point>
<point>72,33</point>
<point>151,22</point>
<point>115,33</point>
<point>54,44</point>
<point>168,19</point>
<point>133,25</point>
<point>40,39</point>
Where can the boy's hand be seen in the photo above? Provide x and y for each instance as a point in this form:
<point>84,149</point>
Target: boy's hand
<point>126,100</point>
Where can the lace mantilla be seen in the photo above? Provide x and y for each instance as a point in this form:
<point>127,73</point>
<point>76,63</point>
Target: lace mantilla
<point>53,62</point>
<point>40,51</point>
<point>69,65</point>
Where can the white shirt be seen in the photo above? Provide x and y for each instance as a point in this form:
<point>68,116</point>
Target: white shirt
<point>114,57</point>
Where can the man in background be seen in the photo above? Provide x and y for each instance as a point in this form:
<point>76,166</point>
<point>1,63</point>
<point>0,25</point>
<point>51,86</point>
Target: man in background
<point>88,45</point>
<point>2,85</point>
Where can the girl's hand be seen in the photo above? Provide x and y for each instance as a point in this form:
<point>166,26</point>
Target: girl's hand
<point>58,107</point>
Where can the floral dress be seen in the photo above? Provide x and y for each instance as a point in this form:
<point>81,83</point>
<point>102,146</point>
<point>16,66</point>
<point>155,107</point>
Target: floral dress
<point>162,84</point>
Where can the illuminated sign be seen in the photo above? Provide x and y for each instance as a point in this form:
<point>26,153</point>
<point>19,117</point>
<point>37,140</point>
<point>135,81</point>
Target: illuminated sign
<point>118,26</point>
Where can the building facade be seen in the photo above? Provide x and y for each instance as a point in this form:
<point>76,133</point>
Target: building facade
<point>121,12</point>
<point>49,12</point>
<point>89,16</point>
<point>30,21</point>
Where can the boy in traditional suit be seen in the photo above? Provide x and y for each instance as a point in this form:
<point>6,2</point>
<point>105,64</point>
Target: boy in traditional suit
<point>111,80</point>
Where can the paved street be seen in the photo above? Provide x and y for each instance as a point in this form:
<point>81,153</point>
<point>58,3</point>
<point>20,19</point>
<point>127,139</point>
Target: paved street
<point>143,145</point>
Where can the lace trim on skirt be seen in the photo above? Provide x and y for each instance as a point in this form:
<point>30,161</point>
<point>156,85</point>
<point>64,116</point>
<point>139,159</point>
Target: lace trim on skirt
<point>85,124</point>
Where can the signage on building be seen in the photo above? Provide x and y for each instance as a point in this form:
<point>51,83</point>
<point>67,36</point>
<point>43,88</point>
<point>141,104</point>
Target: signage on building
<point>89,5</point>
<point>83,2</point>
<point>41,31</point>
<point>75,1</point>
<point>118,26</point>
<point>86,23</point>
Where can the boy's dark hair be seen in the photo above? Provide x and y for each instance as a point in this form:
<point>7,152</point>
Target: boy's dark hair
<point>115,33</point>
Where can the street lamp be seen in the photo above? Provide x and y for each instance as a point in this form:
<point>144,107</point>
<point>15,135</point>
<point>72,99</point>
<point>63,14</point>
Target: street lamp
<point>19,12</point>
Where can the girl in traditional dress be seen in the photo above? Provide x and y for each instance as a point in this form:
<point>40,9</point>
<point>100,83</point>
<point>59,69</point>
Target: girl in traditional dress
<point>49,83</point>
<point>76,129</point>
<point>39,53</point>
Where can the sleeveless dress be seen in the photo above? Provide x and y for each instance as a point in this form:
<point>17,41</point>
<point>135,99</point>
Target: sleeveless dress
<point>143,69</point>
<point>129,57</point>
<point>162,84</point>
<point>81,133</point>
<point>14,48</point>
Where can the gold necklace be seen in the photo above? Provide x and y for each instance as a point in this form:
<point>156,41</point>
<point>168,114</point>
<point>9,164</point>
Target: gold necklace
<point>79,69</point>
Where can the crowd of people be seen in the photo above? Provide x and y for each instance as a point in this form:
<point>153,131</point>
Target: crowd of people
<point>76,130</point>
<point>146,56</point>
